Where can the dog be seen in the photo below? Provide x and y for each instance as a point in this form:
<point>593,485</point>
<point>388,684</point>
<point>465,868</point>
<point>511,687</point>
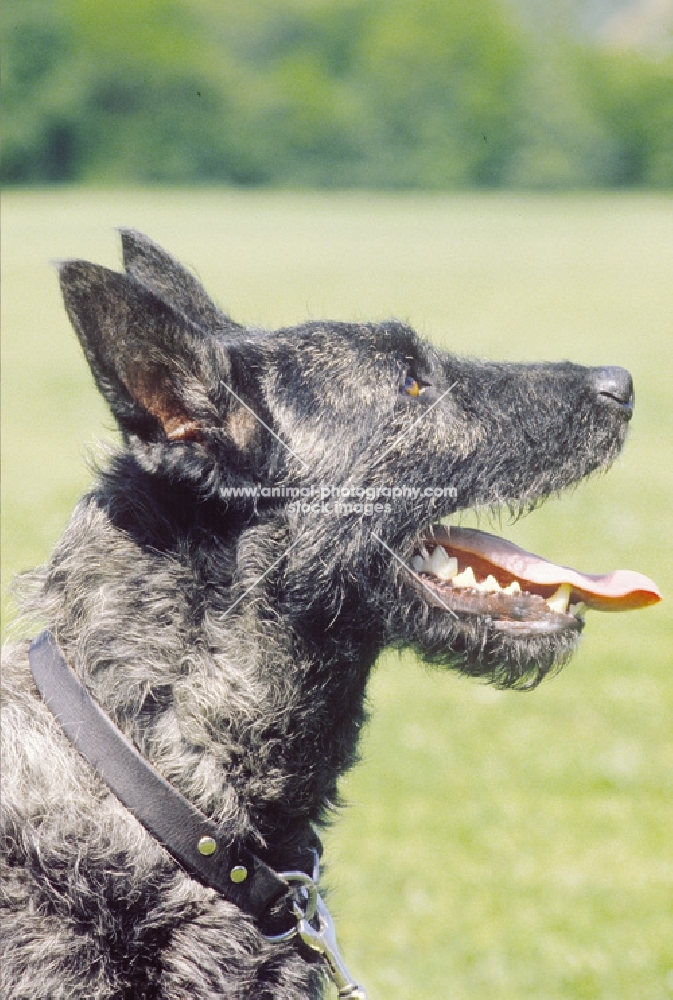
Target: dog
<point>274,517</point>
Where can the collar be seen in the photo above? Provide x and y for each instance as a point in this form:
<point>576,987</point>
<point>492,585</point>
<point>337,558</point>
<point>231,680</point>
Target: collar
<point>240,875</point>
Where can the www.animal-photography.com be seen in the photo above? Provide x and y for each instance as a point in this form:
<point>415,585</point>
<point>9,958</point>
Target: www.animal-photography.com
<point>336,501</point>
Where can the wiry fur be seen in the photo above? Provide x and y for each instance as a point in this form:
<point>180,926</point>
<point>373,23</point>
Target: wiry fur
<point>253,711</point>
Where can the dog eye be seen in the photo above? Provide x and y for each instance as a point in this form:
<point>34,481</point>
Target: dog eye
<point>411,386</point>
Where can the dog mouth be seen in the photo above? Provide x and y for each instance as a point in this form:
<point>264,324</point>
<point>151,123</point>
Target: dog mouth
<point>473,573</point>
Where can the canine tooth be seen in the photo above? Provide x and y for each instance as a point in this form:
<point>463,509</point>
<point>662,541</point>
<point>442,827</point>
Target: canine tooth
<point>558,601</point>
<point>417,563</point>
<point>443,566</point>
<point>513,588</point>
<point>578,610</point>
<point>490,585</point>
<point>465,579</point>
<point>449,570</point>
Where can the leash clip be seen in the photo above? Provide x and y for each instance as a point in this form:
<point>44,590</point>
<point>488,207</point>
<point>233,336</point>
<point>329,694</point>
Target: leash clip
<point>323,940</point>
<point>309,909</point>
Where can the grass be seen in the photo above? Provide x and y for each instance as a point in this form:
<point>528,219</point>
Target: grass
<point>497,846</point>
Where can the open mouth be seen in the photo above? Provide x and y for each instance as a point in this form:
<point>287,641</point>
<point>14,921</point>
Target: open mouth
<point>470,572</point>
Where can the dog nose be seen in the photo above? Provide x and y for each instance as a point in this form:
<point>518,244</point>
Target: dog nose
<point>615,385</point>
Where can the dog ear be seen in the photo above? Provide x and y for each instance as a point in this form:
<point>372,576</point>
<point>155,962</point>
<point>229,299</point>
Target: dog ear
<point>158,371</point>
<point>152,267</point>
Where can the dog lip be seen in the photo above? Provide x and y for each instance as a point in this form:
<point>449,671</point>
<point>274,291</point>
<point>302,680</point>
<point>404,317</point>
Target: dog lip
<point>621,590</point>
<point>541,627</point>
<point>518,614</point>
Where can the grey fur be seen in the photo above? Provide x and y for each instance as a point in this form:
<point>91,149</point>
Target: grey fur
<point>251,709</point>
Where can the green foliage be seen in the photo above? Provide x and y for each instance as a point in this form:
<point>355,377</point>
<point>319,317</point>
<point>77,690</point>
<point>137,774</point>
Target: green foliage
<point>635,100</point>
<point>108,92</point>
<point>368,93</point>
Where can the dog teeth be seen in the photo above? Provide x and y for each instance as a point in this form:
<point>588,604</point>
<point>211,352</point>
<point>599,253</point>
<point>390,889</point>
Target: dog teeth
<point>438,564</point>
<point>558,601</point>
<point>443,566</point>
<point>578,610</point>
<point>465,579</point>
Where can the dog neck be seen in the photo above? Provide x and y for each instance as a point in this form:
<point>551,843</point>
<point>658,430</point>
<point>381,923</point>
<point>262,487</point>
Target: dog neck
<point>234,710</point>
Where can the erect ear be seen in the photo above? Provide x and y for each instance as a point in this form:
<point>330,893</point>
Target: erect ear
<point>157,270</point>
<point>157,370</point>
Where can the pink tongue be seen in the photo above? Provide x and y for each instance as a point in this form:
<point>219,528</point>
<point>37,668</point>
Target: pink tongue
<point>622,590</point>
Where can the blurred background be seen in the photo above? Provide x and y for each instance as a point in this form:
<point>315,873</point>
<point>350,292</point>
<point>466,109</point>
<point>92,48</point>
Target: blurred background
<point>499,175</point>
<point>340,93</point>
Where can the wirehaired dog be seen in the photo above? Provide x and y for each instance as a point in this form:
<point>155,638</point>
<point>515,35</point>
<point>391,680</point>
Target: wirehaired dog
<point>269,524</point>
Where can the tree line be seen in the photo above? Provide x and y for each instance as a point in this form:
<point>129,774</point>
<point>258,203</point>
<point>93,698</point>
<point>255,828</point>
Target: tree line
<point>395,94</point>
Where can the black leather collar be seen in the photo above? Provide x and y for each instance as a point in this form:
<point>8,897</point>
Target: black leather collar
<point>193,840</point>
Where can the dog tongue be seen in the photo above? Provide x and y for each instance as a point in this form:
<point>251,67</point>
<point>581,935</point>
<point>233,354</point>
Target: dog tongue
<point>622,590</point>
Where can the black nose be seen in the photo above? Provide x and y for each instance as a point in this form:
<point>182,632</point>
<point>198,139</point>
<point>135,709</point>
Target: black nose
<point>615,385</point>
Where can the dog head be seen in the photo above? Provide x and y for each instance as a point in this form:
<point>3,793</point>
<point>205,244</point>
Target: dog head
<point>350,442</point>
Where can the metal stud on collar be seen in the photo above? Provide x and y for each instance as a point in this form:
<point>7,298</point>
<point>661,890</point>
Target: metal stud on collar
<point>206,846</point>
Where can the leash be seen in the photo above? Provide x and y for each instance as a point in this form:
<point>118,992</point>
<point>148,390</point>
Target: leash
<point>237,873</point>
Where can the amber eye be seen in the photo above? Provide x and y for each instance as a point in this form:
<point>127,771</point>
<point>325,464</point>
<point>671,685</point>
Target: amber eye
<point>411,386</point>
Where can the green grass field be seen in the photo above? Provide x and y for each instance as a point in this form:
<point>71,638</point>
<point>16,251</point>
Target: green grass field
<point>496,846</point>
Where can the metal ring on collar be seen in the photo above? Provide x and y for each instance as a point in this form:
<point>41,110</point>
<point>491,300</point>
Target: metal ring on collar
<point>308,887</point>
